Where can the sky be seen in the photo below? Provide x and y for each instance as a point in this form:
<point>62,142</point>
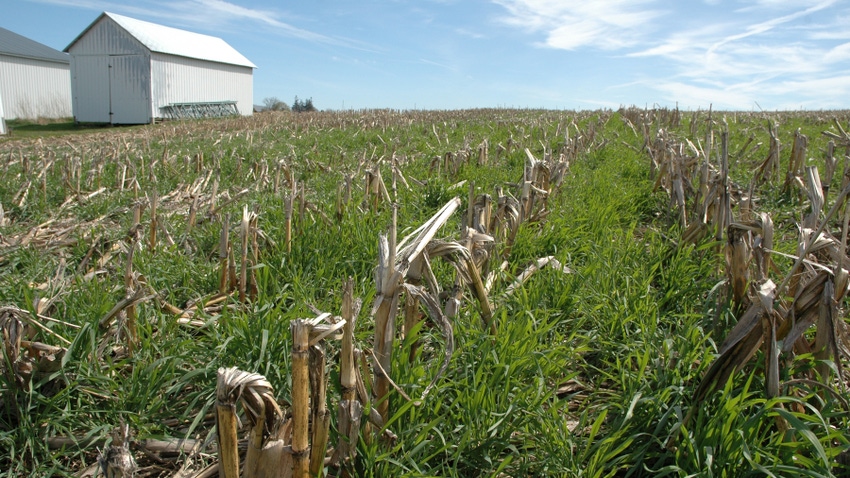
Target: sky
<point>555,54</point>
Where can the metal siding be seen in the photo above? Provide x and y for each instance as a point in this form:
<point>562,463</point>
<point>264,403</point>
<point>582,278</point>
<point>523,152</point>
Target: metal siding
<point>185,80</point>
<point>34,88</point>
<point>106,38</point>
<point>2,117</point>
<point>129,89</point>
<point>90,83</point>
<point>123,89</point>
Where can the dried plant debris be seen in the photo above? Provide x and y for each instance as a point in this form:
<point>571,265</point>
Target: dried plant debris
<point>25,359</point>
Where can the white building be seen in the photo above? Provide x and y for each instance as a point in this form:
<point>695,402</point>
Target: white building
<point>2,117</point>
<point>128,71</point>
<point>35,80</point>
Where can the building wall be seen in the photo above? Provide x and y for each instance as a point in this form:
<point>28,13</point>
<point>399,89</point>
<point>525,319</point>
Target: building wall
<point>112,89</point>
<point>130,89</point>
<point>90,84</point>
<point>178,79</point>
<point>106,38</point>
<point>35,88</point>
<point>110,76</point>
<point>2,116</point>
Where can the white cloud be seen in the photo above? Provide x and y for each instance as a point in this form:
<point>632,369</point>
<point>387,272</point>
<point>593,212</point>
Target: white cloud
<point>693,96</point>
<point>439,65</point>
<point>766,26</point>
<point>830,35</point>
<point>683,43</point>
<point>773,92</point>
<point>469,33</point>
<point>788,60</point>
<point>773,52</point>
<point>838,54</point>
<point>782,4</point>
<point>220,12</point>
<point>200,13</point>
<point>604,24</point>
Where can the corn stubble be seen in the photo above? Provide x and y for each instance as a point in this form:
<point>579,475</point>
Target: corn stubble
<point>782,311</point>
<point>773,319</point>
<point>403,266</point>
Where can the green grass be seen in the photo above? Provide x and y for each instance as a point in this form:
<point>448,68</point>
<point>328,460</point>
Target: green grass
<point>632,328</point>
<point>21,128</point>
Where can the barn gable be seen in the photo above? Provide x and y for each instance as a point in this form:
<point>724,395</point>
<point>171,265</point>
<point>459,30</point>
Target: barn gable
<point>105,37</point>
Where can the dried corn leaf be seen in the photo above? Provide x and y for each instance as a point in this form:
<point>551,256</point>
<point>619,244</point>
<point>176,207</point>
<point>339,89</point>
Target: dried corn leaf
<point>253,389</point>
<point>740,345</point>
<point>432,305</point>
<point>534,267</point>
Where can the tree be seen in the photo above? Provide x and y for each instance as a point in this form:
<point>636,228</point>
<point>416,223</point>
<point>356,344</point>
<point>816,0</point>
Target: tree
<point>272,103</point>
<point>301,106</point>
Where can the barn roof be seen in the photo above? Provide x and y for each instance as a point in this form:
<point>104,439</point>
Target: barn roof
<point>12,44</point>
<point>173,41</point>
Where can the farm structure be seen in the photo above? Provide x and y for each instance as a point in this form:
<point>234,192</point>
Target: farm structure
<point>128,71</point>
<point>2,117</point>
<point>35,80</point>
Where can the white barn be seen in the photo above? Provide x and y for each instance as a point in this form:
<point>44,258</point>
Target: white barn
<point>128,71</point>
<point>35,80</point>
<point>2,117</point>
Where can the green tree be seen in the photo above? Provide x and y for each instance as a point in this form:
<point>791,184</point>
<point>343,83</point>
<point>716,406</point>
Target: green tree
<point>301,106</point>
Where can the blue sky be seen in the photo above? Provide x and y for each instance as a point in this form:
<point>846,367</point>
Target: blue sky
<point>557,54</point>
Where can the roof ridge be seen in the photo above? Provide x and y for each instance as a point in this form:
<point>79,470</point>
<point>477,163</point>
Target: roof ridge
<point>174,41</point>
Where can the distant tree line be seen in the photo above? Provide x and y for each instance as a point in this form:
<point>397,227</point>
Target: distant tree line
<point>299,106</point>
<point>272,103</point>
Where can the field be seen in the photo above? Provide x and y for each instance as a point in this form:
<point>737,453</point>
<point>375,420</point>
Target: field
<point>445,293</point>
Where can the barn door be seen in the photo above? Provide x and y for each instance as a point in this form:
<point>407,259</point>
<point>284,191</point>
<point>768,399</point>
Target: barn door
<point>129,89</point>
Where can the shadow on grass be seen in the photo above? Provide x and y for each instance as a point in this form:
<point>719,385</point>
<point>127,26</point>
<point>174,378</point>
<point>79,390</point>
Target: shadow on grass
<point>32,129</point>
